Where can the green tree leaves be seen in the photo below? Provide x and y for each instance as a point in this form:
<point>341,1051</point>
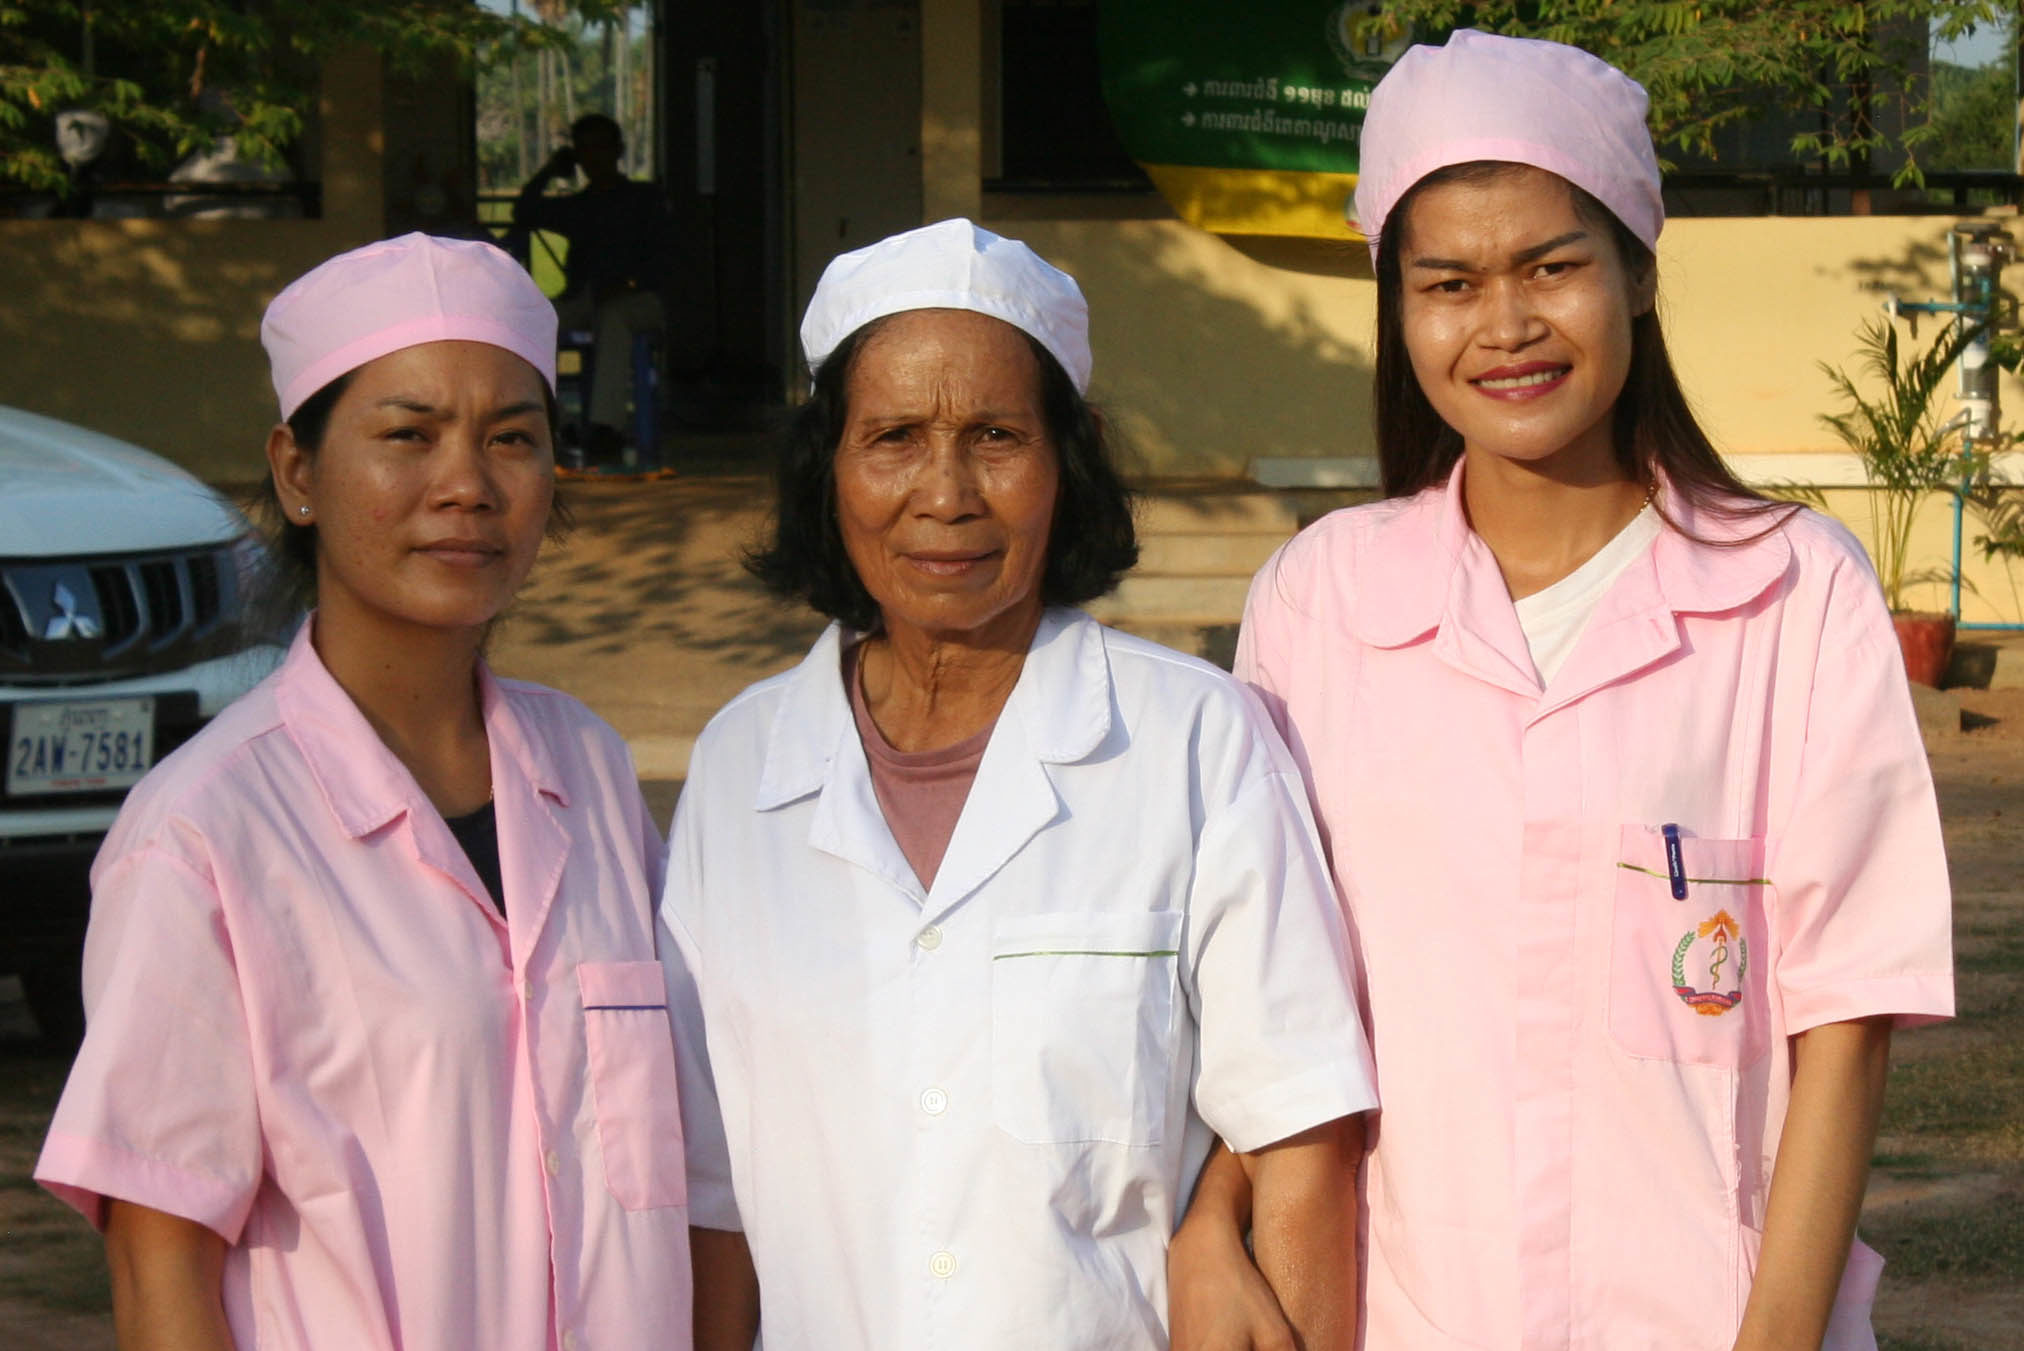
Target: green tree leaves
<point>174,75</point>
<point>1853,66</point>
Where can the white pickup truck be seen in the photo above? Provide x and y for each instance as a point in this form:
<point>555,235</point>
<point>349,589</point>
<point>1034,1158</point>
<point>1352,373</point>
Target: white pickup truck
<point>122,585</point>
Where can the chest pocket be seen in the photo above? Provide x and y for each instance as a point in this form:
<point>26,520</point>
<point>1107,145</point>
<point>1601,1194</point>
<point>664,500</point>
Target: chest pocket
<point>632,1082</point>
<point>1687,975</point>
<point>1082,1014</point>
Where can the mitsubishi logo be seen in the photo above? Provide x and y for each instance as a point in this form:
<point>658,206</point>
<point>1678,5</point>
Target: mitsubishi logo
<point>67,623</point>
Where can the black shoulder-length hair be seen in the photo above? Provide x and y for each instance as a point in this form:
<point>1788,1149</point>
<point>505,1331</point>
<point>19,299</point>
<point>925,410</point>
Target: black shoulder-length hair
<point>1091,543</point>
<point>1655,434</point>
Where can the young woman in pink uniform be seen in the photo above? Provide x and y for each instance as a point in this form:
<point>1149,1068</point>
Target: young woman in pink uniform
<point>377,1054</point>
<point>1616,767</point>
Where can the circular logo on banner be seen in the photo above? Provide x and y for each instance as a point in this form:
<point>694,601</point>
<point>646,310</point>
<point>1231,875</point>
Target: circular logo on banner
<point>1366,39</point>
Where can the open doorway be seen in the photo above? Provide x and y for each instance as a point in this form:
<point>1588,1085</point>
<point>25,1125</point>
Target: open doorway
<point>694,94</point>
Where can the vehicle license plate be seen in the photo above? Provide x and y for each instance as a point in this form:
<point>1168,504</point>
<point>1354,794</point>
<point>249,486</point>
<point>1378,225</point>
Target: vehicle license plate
<point>79,745</point>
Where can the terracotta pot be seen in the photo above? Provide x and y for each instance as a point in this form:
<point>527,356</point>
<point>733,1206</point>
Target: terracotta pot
<point>1927,641</point>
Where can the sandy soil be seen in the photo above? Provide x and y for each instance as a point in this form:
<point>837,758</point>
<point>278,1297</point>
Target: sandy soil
<point>1946,1204</point>
<point>645,613</point>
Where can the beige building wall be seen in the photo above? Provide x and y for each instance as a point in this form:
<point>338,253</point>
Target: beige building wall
<point>1215,354</point>
<point>149,330</point>
<point>1211,353</point>
<point>856,119</point>
<point>1992,592</point>
<point>1217,351</point>
<point>1752,305</point>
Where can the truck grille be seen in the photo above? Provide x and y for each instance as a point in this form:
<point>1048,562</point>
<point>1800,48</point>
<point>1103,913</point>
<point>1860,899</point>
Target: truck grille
<point>74,621</point>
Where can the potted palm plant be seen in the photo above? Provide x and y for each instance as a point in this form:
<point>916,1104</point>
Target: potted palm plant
<point>2003,515</point>
<point>1909,452</point>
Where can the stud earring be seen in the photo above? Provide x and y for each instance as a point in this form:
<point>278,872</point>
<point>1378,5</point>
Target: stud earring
<point>302,511</point>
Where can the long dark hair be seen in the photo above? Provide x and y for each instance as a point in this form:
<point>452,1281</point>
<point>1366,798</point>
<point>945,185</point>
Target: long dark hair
<point>1654,431</point>
<point>1091,543</point>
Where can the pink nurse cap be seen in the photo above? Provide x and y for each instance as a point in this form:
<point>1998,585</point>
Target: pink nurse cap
<point>1518,100</point>
<point>397,293</point>
<point>950,265</point>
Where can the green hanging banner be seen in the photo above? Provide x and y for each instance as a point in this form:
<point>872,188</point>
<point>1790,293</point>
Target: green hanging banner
<point>1247,116</point>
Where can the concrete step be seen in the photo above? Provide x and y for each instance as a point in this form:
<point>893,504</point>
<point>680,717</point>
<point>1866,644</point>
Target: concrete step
<point>1198,549</point>
<point>1218,512</point>
<point>1219,555</point>
<point>1174,600</point>
<point>1212,642</point>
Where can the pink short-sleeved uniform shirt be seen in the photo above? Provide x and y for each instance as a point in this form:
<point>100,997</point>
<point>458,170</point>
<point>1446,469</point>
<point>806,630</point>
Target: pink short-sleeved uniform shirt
<point>1583,1077</point>
<point>418,1125</point>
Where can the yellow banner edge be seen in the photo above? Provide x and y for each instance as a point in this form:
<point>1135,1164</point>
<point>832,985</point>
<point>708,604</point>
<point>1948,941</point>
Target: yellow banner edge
<point>1287,202</point>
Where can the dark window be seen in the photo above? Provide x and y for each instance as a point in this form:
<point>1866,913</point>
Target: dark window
<point>1054,132</point>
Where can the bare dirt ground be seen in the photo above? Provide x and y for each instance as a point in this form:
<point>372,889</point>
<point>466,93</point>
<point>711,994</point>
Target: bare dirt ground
<point>645,615</point>
<point>1946,1203</point>
<point>644,611</point>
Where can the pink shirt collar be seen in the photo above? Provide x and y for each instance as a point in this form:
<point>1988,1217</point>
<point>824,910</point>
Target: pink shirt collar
<point>1433,571</point>
<point>364,784</point>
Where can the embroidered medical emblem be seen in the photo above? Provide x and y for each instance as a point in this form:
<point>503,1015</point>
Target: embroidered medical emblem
<point>1718,932</point>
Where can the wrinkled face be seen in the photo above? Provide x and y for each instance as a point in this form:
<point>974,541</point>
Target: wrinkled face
<point>431,490</point>
<point>1517,315</point>
<point>946,476</point>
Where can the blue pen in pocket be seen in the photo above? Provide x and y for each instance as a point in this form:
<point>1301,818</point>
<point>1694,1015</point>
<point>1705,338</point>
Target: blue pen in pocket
<point>1676,866</point>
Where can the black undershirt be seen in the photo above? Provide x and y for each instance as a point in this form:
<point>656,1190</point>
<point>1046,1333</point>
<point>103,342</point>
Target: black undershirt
<point>479,834</point>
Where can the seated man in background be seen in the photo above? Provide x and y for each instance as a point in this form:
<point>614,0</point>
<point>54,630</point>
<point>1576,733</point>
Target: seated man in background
<point>615,227</point>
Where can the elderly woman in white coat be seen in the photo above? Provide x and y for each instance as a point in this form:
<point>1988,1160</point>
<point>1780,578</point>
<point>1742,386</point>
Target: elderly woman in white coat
<point>979,914</point>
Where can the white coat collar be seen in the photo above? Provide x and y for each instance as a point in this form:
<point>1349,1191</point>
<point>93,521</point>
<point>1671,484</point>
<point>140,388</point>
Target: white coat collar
<point>1062,702</point>
<point>1058,713</point>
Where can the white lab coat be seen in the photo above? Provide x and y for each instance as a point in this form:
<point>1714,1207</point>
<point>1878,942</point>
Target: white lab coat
<point>971,1117</point>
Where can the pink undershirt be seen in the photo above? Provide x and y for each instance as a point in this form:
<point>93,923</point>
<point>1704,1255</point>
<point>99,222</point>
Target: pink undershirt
<point>921,792</point>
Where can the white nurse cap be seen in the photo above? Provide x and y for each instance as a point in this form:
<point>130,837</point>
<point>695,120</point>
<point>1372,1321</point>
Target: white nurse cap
<point>950,265</point>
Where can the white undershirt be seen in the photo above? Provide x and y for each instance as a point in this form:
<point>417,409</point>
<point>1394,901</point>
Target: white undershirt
<point>1554,618</point>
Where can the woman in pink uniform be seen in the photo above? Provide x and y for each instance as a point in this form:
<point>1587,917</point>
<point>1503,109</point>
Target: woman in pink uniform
<point>377,1054</point>
<point>1619,777</point>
